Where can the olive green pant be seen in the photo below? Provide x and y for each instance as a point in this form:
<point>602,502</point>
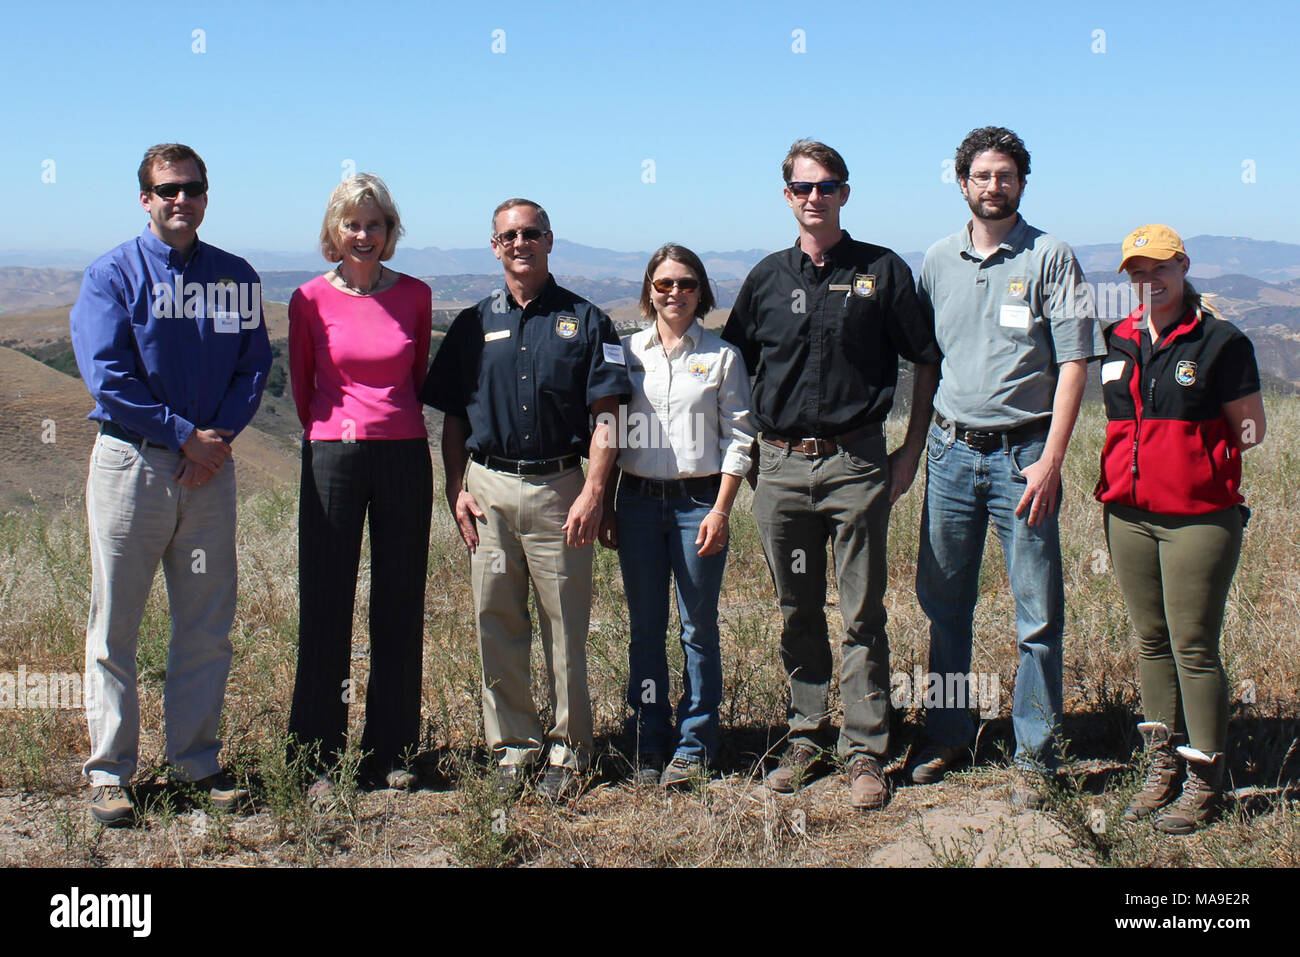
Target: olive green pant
<point>1175,571</point>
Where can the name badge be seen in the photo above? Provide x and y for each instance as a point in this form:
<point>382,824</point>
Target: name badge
<point>1014,317</point>
<point>839,287</point>
<point>613,353</point>
<point>494,336</point>
<point>225,321</point>
<point>1110,371</point>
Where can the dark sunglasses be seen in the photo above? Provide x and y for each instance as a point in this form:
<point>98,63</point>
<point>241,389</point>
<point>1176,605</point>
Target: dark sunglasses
<point>827,187</point>
<point>530,235</point>
<point>666,285</point>
<point>172,190</point>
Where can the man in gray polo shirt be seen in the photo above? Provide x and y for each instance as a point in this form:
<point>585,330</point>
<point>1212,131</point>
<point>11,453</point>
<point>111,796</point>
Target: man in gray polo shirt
<point>1016,326</point>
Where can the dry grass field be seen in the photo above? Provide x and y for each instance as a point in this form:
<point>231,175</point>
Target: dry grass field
<point>457,819</point>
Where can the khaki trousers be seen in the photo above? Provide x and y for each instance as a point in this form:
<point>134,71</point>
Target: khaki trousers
<point>521,539</point>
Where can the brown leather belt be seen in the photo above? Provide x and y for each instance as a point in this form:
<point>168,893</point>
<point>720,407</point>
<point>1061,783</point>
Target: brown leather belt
<point>819,448</point>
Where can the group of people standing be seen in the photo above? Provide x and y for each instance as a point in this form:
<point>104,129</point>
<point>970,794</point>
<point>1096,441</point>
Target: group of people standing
<point>793,396</point>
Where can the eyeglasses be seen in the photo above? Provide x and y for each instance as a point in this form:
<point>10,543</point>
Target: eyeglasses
<point>172,190</point>
<point>983,179</point>
<point>529,235</point>
<point>827,187</point>
<point>666,286</point>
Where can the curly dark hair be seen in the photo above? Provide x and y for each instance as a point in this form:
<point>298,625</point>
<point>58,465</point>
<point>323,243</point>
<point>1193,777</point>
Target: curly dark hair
<point>996,138</point>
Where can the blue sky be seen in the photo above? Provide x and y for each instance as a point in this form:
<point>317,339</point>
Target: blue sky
<point>1155,129</point>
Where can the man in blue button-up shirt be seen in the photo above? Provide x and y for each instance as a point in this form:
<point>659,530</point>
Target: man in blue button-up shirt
<point>170,341</point>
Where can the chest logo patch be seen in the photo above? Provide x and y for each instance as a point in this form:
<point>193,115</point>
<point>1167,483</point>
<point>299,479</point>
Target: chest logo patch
<point>698,368</point>
<point>1016,289</point>
<point>864,285</point>
<point>566,327</point>
<point>1185,372</point>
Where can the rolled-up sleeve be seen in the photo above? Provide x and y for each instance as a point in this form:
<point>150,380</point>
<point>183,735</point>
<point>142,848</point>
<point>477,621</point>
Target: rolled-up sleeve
<point>735,426</point>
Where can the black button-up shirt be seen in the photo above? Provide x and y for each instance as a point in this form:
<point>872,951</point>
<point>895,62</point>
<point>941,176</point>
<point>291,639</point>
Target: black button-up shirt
<point>525,378</point>
<point>823,342</point>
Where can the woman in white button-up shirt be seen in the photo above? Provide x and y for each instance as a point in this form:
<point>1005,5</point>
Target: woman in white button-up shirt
<point>685,439</point>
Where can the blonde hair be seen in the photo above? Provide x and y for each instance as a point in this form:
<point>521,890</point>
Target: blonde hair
<point>347,196</point>
<point>1199,302</point>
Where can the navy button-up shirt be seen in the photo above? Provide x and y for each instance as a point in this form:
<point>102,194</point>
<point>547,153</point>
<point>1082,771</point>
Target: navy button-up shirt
<point>166,346</point>
<point>526,378</point>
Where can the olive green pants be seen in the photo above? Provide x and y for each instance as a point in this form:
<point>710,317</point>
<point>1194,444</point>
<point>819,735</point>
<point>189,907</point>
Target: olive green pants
<point>1175,571</point>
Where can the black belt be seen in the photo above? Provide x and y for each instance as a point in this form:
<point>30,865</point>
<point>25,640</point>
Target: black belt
<point>989,440</point>
<point>818,448</point>
<point>117,432</point>
<point>698,487</point>
<point>527,466</point>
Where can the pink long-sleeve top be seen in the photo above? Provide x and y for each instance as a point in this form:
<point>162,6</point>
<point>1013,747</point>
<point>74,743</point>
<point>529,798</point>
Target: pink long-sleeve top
<point>357,362</point>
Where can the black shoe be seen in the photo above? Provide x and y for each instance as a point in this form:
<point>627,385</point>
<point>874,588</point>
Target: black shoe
<point>933,762</point>
<point>559,783</point>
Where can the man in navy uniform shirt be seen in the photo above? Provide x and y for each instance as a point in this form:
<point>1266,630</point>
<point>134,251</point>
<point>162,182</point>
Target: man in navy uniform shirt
<point>169,338</point>
<point>520,378</point>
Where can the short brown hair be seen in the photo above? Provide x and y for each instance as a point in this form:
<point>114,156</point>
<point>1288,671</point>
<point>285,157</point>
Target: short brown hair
<point>167,154</point>
<point>678,254</point>
<point>347,196</point>
<point>818,152</point>
<point>511,204</point>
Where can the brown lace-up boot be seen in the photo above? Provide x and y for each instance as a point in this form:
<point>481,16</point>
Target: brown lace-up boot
<point>1163,776</point>
<point>1199,802</point>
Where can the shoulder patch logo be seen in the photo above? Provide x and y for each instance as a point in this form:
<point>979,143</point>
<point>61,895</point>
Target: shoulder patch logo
<point>1185,372</point>
<point>1016,289</point>
<point>566,327</point>
<point>864,285</point>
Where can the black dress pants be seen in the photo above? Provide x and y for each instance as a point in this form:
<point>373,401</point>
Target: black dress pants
<point>392,480</point>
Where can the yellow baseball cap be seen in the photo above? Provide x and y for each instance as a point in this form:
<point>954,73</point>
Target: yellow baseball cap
<point>1154,241</point>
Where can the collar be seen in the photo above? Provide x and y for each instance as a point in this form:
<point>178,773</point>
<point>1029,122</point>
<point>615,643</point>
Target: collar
<point>159,250</point>
<point>1184,325</point>
<point>1012,243</point>
<point>838,253</point>
<point>694,332</point>
<point>543,296</point>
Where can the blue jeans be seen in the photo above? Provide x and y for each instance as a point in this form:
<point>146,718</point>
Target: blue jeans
<point>655,537</point>
<point>963,490</point>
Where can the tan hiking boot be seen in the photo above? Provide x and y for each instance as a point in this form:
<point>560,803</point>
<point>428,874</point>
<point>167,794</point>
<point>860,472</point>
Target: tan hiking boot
<point>793,771</point>
<point>113,805</point>
<point>868,789</point>
<point>1199,803</point>
<point>1164,774</point>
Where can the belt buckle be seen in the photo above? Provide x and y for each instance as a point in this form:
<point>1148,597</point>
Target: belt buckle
<point>656,488</point>
<point>982,442</point>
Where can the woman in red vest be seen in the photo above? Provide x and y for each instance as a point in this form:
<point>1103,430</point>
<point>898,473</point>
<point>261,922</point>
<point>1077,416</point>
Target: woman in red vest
<point>1183,400</point>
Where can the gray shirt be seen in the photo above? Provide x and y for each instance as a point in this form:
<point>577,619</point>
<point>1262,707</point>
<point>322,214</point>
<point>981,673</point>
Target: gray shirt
<point>1005,323</point>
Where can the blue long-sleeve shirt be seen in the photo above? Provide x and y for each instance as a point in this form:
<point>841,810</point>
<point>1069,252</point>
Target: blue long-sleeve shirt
<point>167,345</point>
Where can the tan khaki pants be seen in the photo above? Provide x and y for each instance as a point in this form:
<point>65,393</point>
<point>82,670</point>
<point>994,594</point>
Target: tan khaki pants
<point>520,538</point>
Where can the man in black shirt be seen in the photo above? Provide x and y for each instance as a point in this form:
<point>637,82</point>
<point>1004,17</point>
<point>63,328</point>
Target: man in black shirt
<point>821,325</point>
<point>519,378</point>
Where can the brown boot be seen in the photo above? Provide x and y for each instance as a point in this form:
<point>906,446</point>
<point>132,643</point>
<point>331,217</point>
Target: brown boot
<point>1199,802</point>
<point>1163,776</point>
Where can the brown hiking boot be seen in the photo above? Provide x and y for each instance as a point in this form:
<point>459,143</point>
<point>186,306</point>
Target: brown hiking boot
<point>113,805</point>
<point>867,785</point>
<point>793,771</point>
<point>1199,802</point>
<point>1164,774</point>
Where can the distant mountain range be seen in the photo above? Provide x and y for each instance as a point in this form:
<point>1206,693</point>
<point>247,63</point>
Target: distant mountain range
<point>1212,256</point>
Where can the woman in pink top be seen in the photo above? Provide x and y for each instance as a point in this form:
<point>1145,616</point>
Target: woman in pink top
<point>358,349</point>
